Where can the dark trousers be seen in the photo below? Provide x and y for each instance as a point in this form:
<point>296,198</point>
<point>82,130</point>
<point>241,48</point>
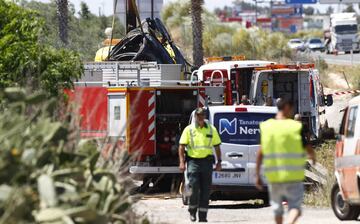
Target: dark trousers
<point>199,173</point>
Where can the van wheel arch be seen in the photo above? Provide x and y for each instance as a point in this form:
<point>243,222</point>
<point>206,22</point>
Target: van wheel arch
<point>342,209</point>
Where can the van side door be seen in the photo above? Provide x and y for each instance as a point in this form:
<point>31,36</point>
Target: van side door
<point>349,163</point>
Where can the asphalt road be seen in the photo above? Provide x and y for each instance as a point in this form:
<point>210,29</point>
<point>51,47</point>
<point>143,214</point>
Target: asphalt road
<point>340,59</point>
<point>160,210</point>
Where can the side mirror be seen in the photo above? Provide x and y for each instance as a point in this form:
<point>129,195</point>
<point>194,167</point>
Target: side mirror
<point>328,100</point>
<point>338,137</point>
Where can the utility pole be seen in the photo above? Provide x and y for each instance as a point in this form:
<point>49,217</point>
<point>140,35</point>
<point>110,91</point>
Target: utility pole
<point>130,15</point>
<point>271,15</point>
<point>152,9</point>
<point>256,13</point>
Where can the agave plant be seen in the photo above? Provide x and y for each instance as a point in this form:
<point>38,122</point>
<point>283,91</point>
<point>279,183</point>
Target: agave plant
<point>47,175</point>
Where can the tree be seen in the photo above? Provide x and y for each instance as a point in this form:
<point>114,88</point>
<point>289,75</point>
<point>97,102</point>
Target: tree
<point>62,14</point>
<point>329,10</point>
<point>27,61</point>
<point>349,8</point>
<point>309,11</point>
<point>84,35</point>
<point>84,11</point>
<point>197,29</point>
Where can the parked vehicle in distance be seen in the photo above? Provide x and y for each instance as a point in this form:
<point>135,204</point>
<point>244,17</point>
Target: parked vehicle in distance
<point>345,194</point>
<point>343,34</point>
<point>315,44</point>
<point>296,44</point>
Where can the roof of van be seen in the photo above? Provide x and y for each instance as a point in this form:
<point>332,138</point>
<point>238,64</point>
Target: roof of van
<point>355,101</point>
<point>249,108</point>
<point>241,64</point>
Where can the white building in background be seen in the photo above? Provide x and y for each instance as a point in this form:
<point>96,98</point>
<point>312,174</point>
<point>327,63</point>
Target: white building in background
<point>144,6</point>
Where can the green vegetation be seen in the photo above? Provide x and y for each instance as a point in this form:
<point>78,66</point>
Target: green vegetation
<point>86,30</point>
<point>319,196</point>
<point>28,61</point>
<point>222,39</point>
<point>48,175</point>
<point>304,34</point>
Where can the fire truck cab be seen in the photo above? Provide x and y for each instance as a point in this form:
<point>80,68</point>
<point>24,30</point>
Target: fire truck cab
<point>234,73</point>
<point>345,194</point>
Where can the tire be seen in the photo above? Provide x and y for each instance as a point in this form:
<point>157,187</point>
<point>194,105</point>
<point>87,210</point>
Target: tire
<point>342,209</point>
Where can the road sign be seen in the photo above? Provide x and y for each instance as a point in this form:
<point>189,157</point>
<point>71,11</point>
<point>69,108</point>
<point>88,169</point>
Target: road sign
<point>302,1</point>
<point>291,10</point>
<point>338,1</point>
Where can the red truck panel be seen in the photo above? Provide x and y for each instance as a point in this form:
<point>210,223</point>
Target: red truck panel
<point>217,75</point>
<point>141,121</point>
<point>92,105</point>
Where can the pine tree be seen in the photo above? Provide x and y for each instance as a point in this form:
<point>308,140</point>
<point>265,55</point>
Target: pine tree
<point>84,11</point>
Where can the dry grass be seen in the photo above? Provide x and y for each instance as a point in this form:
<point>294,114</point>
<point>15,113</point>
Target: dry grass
<point>319,196</point>
<point>352,74</point>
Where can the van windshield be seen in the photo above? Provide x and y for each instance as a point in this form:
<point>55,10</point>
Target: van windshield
<point>240,128</point>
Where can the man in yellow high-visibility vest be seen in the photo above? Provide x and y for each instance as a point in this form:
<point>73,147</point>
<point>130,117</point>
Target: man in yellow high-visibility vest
<point>199,139</point>
<point>283,156</point>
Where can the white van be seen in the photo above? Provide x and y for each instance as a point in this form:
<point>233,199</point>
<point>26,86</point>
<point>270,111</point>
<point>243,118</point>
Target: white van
<point>345,194</point>
<point>300,83</point>
<point>239,130</point>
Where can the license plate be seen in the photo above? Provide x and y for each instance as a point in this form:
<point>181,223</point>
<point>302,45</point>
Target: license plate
<point>227,175</point>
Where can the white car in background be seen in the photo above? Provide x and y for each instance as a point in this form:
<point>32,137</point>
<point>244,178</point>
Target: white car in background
<point>315,44</point>
<point>296,44</point>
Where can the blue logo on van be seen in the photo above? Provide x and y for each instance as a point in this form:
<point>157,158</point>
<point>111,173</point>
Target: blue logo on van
<point>240,128</point>
<point>227,126</point>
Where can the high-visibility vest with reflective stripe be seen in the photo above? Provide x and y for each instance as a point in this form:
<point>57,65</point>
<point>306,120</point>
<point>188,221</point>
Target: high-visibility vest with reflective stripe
<point>283,152</point>
<point>200,142</point>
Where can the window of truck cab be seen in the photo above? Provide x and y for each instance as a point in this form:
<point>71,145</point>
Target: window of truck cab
<point>351,122</point>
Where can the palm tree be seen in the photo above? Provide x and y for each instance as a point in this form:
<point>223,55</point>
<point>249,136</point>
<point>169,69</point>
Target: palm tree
<point>62,14</point>
<point>197,29</point>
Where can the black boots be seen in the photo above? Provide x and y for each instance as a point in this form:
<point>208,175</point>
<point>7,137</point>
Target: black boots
<point>193,216</point>
<point>202,217</point>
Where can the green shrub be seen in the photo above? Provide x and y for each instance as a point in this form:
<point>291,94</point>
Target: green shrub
<point>319,196</point>
<point>48,175</point>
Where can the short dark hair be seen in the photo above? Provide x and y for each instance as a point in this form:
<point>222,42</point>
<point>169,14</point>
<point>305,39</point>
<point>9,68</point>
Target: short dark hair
<point>283,102</point>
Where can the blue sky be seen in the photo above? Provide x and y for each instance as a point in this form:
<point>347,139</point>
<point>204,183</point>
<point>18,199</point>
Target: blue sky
<point>107,5</point>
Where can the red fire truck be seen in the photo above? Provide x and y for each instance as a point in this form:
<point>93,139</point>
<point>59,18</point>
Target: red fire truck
<point>234,73</point>
<point>144,106</point>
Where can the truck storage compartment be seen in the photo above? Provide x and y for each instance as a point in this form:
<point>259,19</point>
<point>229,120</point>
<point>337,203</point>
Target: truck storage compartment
<point>286,86</point>
<point>241,82</point>
<point>173,109</point>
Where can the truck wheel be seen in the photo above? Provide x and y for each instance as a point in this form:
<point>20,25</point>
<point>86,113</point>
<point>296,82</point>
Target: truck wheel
<point>342,209</point>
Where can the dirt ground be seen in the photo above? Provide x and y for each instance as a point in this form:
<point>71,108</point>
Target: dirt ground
<point>161,210</point>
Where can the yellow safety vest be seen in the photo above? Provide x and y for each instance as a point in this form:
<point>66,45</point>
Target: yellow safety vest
<point>200,141</point>
<point>283,152</point>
